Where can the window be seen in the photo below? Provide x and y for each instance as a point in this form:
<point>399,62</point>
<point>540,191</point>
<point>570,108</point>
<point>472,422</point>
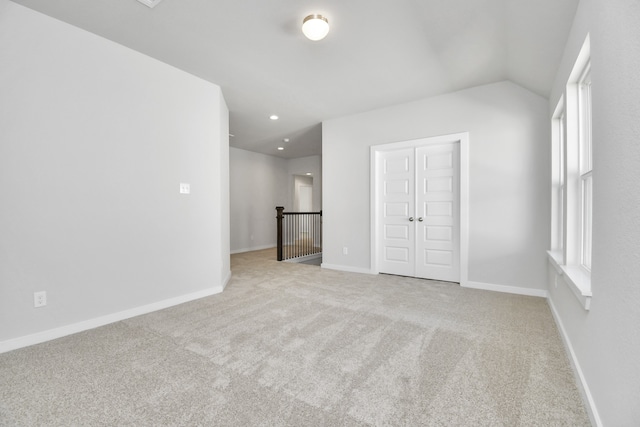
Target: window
<point>572,181</point>
<point>586,165</point>
<point>558,180</point>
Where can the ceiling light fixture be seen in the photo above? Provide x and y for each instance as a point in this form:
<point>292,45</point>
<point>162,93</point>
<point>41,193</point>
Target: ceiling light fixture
<point>280,148</point>
<point>286,140</point>
<point>315,27</point>
<point>274,117</point>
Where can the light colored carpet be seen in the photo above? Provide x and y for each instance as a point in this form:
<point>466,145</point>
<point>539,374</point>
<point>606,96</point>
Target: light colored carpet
<point>293,344</point>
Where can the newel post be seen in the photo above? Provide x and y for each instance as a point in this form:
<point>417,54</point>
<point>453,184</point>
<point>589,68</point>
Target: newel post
<point>279,217</point>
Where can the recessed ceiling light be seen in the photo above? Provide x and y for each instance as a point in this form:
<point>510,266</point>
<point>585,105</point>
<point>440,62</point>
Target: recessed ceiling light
<point>308,173</point>
<point>280,148</point>
<point>150,3</point>
<point>274,117</point>
<point>286,140</point>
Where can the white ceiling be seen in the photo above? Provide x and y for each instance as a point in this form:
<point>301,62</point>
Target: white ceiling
<point>378,53</point>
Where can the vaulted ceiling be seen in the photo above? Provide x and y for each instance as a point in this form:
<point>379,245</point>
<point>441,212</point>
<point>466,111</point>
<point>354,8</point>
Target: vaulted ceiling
<point>378,53</point>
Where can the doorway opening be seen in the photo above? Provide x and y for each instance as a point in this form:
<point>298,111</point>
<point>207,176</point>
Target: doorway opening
<point>302,193</point>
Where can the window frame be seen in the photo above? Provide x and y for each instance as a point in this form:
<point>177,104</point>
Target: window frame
<point>586,166</point>
<point>572,181</point>
<point>558,180</point>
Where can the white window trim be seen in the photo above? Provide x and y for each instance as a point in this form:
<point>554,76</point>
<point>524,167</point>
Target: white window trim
<point>576,278</point>
<point>586,165</point>
<point>586,237</point>
<point>567,260</point>
<point>558,182</point>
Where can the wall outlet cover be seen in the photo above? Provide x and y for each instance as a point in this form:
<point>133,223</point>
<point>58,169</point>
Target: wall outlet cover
<point>39,299</point>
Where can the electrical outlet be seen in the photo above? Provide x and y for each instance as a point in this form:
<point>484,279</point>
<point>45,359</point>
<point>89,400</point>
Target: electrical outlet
<point>39,299</point>
<point>185,188</point>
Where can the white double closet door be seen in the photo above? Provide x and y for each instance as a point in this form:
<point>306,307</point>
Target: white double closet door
<point>418,211</point>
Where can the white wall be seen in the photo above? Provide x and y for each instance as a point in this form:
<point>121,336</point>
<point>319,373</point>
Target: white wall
<point>259,183</point>
<point>95,139</point>
<point>509,178</point>
<point>605,340</point>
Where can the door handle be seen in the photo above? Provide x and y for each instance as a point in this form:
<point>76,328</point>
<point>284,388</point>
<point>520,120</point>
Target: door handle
<point>411,218</point>
<point>420,219</point>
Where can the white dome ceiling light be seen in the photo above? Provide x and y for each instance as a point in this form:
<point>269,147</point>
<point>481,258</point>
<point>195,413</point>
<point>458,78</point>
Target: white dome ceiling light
<point>315,27</point>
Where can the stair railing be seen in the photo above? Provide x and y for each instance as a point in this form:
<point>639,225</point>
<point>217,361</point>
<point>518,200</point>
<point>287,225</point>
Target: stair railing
<point>299,234</point>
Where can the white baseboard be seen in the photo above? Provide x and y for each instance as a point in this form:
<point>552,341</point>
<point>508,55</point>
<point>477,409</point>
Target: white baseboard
<point>506,289</point>
<point>346,268</point>
<point>582,382</point>
<point>254,248</point>
<point>51,334</point>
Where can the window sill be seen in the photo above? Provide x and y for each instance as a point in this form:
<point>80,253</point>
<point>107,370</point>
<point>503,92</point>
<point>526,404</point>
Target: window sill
<point>575,277</point>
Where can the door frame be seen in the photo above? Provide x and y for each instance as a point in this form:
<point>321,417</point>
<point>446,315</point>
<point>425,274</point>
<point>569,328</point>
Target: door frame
<point>461,138</point>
